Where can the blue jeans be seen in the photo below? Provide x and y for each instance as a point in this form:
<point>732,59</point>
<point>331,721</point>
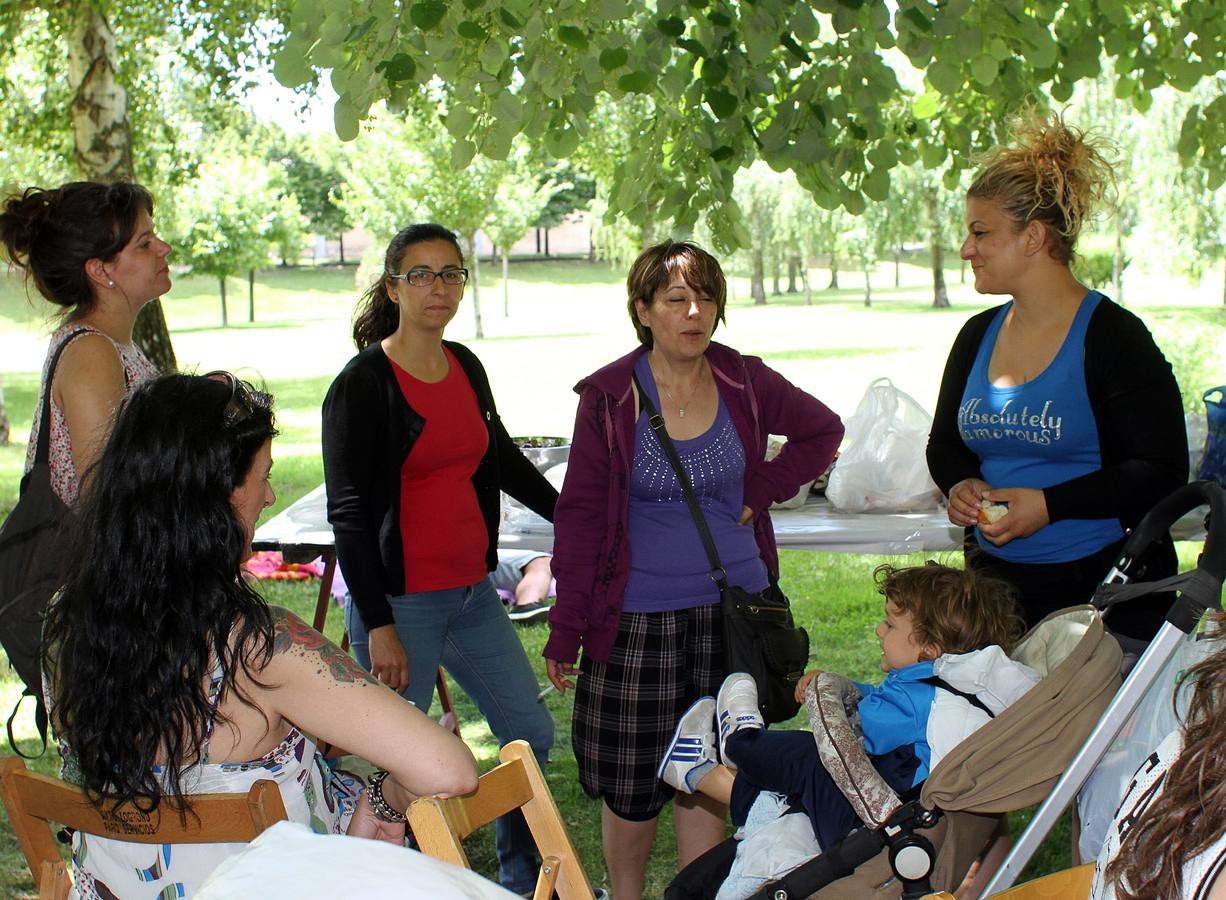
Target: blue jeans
<point>466,630</point>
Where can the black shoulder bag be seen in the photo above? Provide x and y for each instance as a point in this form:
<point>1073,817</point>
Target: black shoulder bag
<point>760,636</point>
<point>31,563</point>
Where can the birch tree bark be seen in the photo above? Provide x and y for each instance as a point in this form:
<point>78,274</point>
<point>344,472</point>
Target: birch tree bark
<point>103,141</point>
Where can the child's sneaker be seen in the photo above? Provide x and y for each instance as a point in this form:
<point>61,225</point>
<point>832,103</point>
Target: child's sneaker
<point>736,708</point>
<point>692,752</point>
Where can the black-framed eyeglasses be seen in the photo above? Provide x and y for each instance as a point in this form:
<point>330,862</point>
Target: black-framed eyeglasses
<point>425,277</point>
<point>244,400</point>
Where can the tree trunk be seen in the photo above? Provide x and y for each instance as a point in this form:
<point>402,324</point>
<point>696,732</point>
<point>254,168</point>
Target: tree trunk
<point>793,265</point>
<point>868,285</point>
<point>804,280</point>
<point>506,288</point>
<point>225,320</point>
<point>340,243</point>
<point>757,280</point>
<point>546,242</point>
<point>775,276</point>
<point>251,295</point>
<point>102,142</point>
<point>834,273</point>
<point>475,281</point>
<point>898,267</point>
<point>4,421</point>
<point>940,297</point>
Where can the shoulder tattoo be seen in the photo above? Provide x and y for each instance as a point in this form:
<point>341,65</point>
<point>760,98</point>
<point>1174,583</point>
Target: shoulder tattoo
<point>292,635</point>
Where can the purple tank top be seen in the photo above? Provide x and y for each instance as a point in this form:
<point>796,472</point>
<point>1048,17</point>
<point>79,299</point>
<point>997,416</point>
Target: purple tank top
<point>668,566</point>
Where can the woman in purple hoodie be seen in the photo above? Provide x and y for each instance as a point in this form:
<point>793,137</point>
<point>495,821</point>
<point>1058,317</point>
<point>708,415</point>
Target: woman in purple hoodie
<point>634,585</point>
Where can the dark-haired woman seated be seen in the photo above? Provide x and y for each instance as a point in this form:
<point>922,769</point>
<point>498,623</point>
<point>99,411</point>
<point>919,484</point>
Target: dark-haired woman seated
<point>168,675</point>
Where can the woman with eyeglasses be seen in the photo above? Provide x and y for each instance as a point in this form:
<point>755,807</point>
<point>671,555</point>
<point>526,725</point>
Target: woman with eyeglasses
<point>414,459</point>
<point>168,675</point>
<point>90,249</point>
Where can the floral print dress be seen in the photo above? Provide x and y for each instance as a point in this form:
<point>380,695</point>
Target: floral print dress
<point>64,479</point>
<point>314,794</point>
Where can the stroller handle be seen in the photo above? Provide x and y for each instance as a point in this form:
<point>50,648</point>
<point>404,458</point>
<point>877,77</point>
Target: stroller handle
<point>1166,512</point>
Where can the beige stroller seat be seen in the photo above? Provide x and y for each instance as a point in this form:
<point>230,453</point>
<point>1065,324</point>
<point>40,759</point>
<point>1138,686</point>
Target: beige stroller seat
<point>910,849</point>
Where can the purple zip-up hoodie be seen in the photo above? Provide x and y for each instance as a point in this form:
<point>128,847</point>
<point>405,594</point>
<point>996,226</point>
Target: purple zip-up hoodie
<point>591,559</point>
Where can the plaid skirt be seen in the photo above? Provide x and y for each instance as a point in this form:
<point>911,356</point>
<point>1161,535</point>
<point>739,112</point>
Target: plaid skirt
<point>626,709</point>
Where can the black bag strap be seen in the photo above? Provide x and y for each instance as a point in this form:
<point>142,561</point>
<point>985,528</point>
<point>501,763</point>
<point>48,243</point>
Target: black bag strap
<point>941,684</point>
<point>42,450</point>
<point>40,723</point>
<point>656,422</point>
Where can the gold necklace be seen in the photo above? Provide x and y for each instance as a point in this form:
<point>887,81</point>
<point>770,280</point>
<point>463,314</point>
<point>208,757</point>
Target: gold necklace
<point>681,406</point>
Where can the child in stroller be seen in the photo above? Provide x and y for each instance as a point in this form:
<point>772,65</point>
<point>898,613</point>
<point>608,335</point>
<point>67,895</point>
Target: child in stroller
<point>944,640</point>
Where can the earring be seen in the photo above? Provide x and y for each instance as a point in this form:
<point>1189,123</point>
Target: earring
<point>110,284</point>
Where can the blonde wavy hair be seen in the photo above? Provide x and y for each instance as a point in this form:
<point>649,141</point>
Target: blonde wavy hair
<point>1054,173</point>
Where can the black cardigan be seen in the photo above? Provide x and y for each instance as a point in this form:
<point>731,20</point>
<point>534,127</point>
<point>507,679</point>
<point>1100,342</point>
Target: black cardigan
<point>1137,407</point>
<point>368,430</point>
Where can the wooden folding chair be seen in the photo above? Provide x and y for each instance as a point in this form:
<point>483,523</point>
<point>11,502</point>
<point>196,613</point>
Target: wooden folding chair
<point>34,802</point>
<point>1067,884</point>
<point>517,783</point>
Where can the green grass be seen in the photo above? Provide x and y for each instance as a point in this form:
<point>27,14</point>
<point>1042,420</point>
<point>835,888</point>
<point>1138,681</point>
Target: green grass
<point>568,317</point>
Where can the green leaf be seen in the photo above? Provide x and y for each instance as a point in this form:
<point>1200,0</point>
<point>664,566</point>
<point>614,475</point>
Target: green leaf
<point>714,70</point>
<point>400,67</point>
<point>693,46</point>
<point>635,82</point>
<point>876,184</point>
<point>917,19</point>
<point>471,5</point>
<point>945,77</point>
<point>984,69</point>
<point>560,143</point>
<point>672,26</point>
<point>509,108</point>
<point>291,67</point>
<point>718,18</point>
<point>507,19</point>
<point>721,153</point>
<point>471,30</point>
<point>462,153</point>
<point>1061,91</point>
<point>459,121</point>
<point>613,58</point>
<point>1189,136</point>
<point>425,14</point>
<point>345,119</point>
<point>573,37</point>
<point>969,41</point>
<point>357,32</point>
<point>926,105</point>
<point>492,55</point>
<point>722,102</point>
<point>932,154</point>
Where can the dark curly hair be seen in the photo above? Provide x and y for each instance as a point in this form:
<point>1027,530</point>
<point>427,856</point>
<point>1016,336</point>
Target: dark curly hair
<point>377,316</point>
<point>154,598</point>
<point>52,233</point>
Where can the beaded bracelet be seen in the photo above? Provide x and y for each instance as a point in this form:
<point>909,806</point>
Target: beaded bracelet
<point>383,810</point>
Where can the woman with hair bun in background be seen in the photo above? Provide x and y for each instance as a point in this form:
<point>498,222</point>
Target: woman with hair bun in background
<point>1057,405</point>
<point>91,250</point>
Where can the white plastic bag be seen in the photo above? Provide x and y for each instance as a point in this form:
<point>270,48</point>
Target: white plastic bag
<point>1155,717</point>
<point>882,467</point>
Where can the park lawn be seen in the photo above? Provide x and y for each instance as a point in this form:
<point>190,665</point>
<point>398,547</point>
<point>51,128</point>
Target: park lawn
<point>566,318</point>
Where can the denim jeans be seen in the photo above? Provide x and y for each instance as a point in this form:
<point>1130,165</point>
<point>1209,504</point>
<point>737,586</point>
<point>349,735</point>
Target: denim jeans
<point>466,630</point>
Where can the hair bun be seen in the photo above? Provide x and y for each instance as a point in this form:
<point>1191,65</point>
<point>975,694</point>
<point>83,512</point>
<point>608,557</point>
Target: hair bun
<point>23,217</point>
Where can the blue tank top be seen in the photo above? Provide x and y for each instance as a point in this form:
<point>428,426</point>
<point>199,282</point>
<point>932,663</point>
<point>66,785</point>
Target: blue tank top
<point>1035,435</point>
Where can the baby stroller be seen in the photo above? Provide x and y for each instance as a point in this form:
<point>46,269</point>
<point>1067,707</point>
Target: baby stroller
<point>1044,745</point>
